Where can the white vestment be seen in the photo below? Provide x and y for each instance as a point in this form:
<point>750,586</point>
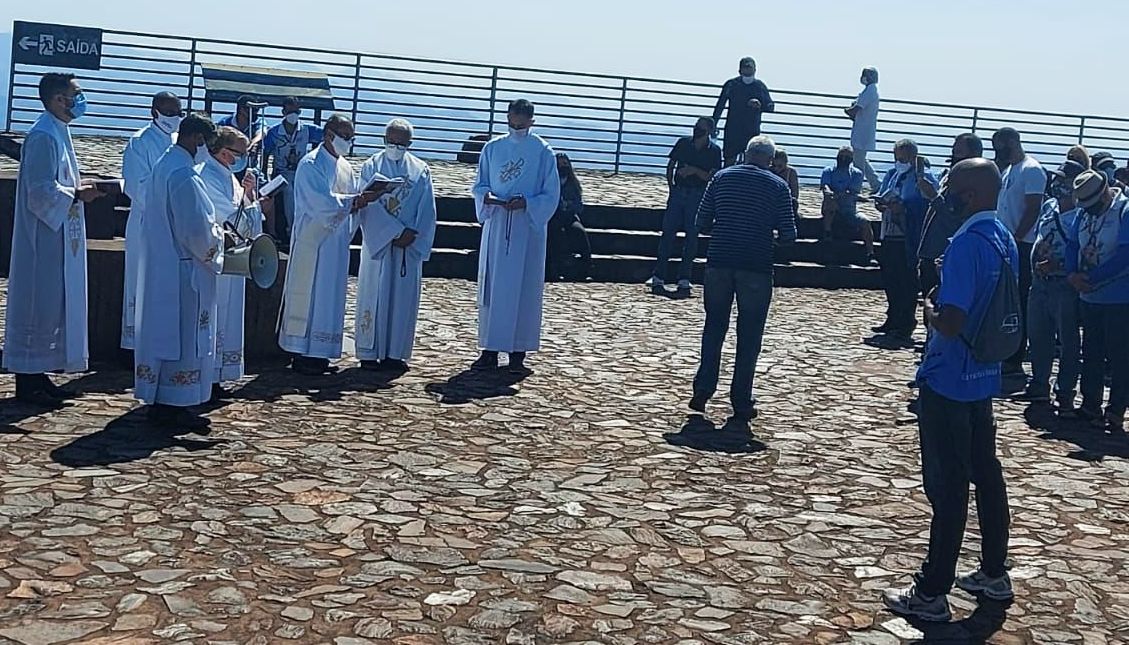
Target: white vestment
<point>145,147</point>
<point>390,280</point>
<point>511,258</point>
<point>46,317</point>
<point>231,290</point>
<point>181,255</point>
<point>313,306</point>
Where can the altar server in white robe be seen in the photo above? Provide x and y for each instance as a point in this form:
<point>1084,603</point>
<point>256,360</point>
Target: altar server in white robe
<point>515,196</point>
<point>181,258</point>
<point>397,231</point>
<point>145,147</point>
<point>45,329</point>
<point>326,196</point>
<point>236,206</point>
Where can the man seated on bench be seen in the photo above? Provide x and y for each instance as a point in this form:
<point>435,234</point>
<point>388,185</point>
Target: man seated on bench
<point>841,185</point>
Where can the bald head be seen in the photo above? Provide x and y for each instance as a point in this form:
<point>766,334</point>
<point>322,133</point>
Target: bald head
<point>973,186</point>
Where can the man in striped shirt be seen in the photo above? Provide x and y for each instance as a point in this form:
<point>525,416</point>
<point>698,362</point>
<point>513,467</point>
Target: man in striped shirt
<point>747,210</point>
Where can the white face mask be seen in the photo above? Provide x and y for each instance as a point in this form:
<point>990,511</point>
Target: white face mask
<point>519,133</point>
<point>748,80</point>
<point>902,166</point>
<point>168,124</point>
<point>291,118</point>
<point>341,145</point>
<point>395,152</point>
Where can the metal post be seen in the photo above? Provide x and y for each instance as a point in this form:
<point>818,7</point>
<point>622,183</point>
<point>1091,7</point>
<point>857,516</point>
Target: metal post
<point>192,76</point>
<point>356,86</point>
<point>493,97</point>
<point>619,129</point>
<point>975,118</point>
<point>1081,128</point>
<point>11,88</point>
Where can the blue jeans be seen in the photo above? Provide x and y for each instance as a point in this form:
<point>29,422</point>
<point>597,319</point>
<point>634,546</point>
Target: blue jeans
<point>681,213</point>
<point>753,292</point>
<point>1053,312</point>
<point>1104,347</point>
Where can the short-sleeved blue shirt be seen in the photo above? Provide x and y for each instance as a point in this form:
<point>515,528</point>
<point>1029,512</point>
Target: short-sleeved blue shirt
<point>843,180</point>
<point>969,275</point>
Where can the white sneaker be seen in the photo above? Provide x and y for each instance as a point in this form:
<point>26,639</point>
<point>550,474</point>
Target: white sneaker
<point>654,281</point>
<point>908,602</point>
<point>979,582</point>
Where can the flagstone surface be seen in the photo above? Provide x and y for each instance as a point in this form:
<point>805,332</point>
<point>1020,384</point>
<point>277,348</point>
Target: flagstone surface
<point>580,504</point>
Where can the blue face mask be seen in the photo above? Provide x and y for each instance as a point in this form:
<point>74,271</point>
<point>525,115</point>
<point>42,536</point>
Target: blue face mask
<point>239,165</point>
<point>78,106</point>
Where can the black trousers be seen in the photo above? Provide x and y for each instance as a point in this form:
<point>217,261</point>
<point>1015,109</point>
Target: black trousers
<point>566,242</point>
<point>899,281</point>
<point>958,447</point>
<point>1105,350</point>
<point>1015,363</point>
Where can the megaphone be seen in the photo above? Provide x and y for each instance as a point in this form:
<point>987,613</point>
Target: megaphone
<point>255,259</point>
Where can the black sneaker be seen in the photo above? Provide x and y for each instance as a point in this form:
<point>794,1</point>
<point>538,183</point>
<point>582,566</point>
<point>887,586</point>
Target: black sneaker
<point>911,603</point>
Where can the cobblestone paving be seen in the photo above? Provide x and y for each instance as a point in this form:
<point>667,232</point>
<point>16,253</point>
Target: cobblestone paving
<point>445,508</point>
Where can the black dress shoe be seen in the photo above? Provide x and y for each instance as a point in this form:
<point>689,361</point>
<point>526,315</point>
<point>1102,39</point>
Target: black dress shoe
<point>372,366</point>
<point>393,365</point>
<point>310,366</point>
<point>881,329</point>
<point>39,398</point>
<point>487,361</point>
<point>220,393</point>
<point>698,403</point>
<point>517,362</point>
<point>170,417</point>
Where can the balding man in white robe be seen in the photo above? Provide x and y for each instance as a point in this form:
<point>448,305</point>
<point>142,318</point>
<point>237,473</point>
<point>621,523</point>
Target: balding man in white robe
<point>398,230</point>
<point>145,147</point>
<point>45,327</point>
<point>515,196</point>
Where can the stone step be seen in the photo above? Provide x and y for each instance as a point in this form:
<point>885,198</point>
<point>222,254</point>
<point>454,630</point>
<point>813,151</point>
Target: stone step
<point>628,269</point>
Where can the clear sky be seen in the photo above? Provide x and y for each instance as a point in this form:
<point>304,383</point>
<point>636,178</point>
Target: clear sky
<point>1032,54</point>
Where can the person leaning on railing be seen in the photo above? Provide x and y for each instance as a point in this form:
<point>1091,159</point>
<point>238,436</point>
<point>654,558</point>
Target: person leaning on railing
<point>748,98</point>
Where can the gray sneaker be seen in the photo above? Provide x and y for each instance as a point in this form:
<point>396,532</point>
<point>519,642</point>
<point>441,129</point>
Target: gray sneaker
<point>979,582</point>
<point>909,602</point>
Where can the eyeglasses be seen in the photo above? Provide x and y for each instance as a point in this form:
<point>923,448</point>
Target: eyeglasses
<point>239,154</point>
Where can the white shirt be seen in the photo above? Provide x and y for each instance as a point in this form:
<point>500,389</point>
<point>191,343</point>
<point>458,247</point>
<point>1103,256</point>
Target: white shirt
<point>1024,177</point>
<point>864,132</point>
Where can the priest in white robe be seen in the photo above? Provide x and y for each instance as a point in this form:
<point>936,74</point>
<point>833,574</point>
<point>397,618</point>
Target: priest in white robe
<point>397,232</point>
<point>180,260</point>
<point>326,196</point>
<point>145,147</point>
<point>236,207</point>
<point>515,196</point>
<point>45,327</point>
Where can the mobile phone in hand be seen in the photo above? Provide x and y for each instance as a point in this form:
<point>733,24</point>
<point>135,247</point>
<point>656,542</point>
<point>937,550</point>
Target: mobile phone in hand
<point>921,165</point>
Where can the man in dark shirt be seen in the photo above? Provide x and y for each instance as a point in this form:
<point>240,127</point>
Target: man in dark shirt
<point>747,210</point>
<point>693,161</point>
<point>748,99</point>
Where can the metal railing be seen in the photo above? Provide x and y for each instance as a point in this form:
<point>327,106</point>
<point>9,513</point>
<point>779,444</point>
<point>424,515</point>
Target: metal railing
<point>602,121</point>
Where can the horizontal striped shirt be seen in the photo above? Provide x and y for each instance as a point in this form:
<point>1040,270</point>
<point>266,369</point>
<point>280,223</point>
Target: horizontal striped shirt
<point>744,209</point>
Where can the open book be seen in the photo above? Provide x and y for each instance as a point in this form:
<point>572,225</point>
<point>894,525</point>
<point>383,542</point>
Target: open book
<point>381,179</point>
<point>271,186</point>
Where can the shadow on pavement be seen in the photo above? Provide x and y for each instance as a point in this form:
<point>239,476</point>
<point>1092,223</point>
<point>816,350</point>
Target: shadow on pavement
<point>735,437</point>
<point>988,619</point>
<point>476,385</point>
<point>274,384</point>
<point>128,438</point>
<point>1094,444</point>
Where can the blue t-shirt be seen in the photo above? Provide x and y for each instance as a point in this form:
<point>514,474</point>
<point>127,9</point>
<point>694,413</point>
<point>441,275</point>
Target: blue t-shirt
<point>843,180</point>
<point>287,149</point>
<point>968,279</point>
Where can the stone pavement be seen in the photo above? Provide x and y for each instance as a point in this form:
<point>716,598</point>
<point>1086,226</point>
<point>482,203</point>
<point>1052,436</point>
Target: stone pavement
<point>447,508</point>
